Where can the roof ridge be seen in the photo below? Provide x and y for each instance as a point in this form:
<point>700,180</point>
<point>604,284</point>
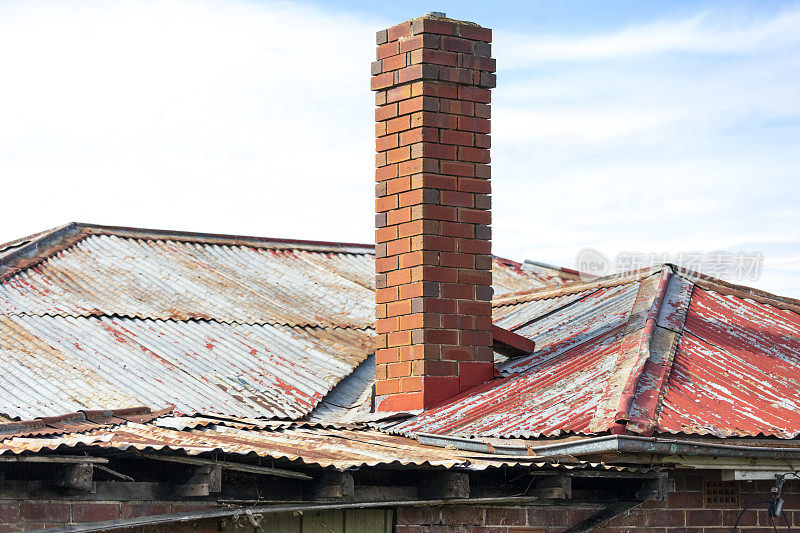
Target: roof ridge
<point>612,410</point>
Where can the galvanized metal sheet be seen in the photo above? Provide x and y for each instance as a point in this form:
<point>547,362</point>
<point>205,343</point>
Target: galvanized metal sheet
<point>162,279</point>
<point>575,323</point>
<point>51,365</point>
<point>340,448</point>
<point>736,371</point>
<point>514,316</point>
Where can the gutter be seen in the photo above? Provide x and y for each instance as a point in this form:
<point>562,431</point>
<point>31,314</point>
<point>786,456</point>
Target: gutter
<point>612,444</point>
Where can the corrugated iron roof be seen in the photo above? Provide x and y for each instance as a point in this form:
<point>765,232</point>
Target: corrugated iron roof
<point>94,317</point>
<point>300,443</point>
<point>51,365</point>
<point>93,271</point>
<point>651,351</point>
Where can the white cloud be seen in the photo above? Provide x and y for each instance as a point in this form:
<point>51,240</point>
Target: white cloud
<point>256,118</point>
<point>704,33</point>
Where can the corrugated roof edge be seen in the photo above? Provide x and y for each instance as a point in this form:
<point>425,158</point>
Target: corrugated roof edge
<point>547,269</point>
<point>27,251</point>
<point>542,293</point>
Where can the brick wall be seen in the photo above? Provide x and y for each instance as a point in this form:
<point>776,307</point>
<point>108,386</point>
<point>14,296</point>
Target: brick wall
<point>686,510</point>
<point>20,515</point>
<point>432,80</point>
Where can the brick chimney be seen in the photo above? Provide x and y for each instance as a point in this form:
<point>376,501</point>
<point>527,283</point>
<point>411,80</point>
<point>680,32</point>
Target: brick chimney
<point>433,211</point>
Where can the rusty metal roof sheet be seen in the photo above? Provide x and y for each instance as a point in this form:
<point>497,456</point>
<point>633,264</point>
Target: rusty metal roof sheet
<point>51,365</point>
<point>655,351</point>
<point>300,443</point>
<point>95,317</point>
<point>91,271</point>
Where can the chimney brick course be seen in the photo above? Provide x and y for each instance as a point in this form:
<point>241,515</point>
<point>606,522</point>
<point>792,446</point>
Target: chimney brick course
<point>432,79</point>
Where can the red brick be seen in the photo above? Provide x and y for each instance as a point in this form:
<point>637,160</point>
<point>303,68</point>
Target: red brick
<point>398,31</point>
<point>386,295</point>
<point>457,260</point>
<point>474,216</point>
<point>398,185</point>
<point>457,107</point>
<point>416,135</point>
<point>462,515</point>
<point>506,516</point>
<point>438,57</point>
<point>433,88</point>
<point>395,94</point>
<point>436,150</point>
<point>457,199</point>
<point>419,515</point>
<point>475,94</point>
<point>475,308</point>
<point>466,153</point>
<point>462,138</point>
<point>703,517</point>
<point>476,33</point>
<point>386,142</point>
<point>399,154</point>
<point>398,216</point>
<point>459,291</point>
<point>436,120</point>
<point>436,212</point>
<point>387,386</point>
<point>476,185</point>
<point>381,81</point>
<point>457,229</point>
<point>457,168</point>
<point>394,62</point>
<point>386,50</point>
<point>94,512</point>
<point>399,124</point>
<point>434,242</point>
<point>9,512</point>
<point>42,511</point>
<point>430,25</point>
<point>455,44</point>
<point>478,125</point>
<point>386,355</point>
<point>385,112</point>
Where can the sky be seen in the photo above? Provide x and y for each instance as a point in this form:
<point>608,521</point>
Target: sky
<point>628,128</point>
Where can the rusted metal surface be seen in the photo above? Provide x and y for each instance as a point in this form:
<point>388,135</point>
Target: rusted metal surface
<point>650,354</point>
<point>180,276</point>
<point>736,371</point>
<point>573,323</point>
<point>78,422</point>
<point>51,365</point>
<point>302,444</point>
<point>559,395</point>
<point>170,280</point>
<point>509,276</point>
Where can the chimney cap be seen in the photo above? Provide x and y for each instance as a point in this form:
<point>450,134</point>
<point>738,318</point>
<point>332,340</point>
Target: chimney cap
<point>440,14</point>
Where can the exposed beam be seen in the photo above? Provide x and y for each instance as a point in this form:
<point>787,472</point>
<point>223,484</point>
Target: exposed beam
<point>444,485</point>
<point>335,486</point>
<point>239,467</point>
<point>72,476</point>
<point>51,459</point>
